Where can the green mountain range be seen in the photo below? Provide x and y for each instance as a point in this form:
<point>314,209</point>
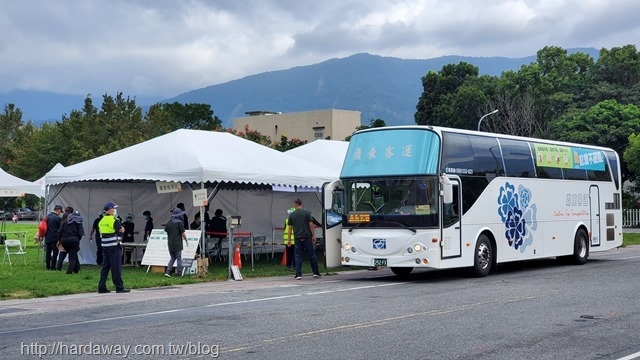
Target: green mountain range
<point>379,87</point>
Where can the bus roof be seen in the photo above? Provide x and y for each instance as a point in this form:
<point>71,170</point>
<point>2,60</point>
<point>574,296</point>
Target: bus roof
<point>440,130</point>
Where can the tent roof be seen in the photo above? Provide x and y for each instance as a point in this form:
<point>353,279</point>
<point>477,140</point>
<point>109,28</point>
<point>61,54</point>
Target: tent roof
<point>195,156</point>
<point>14,183</point>
<point>326,153</point>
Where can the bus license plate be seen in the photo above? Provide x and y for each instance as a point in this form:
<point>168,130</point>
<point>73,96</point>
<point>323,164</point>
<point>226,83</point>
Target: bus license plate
<point>379,262</point>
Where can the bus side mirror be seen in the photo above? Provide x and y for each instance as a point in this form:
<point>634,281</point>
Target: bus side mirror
<point>447,190</point>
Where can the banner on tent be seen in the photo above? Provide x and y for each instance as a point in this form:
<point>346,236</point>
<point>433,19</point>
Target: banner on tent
<point>165,187</point>
<point>157,252</point>
<point>11,193</point>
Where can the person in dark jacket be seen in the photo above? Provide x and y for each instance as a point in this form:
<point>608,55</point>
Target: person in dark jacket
<point>127,237</point>
<point>51,237</point>
<point>96,231</point>
<point>148,225</point>
<point>175,234</point>
<point>62,252</point>
<point>71,232</point>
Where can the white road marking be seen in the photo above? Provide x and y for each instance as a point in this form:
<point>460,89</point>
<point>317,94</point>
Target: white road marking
<point>630,357</point>
<point>189,308</point>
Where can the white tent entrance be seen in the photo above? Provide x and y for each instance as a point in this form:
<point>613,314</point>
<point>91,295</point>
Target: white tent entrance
<point>261,208</point>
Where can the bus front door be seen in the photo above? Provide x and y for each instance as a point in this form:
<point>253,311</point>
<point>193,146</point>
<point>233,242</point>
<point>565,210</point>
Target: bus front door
<point>594,215</point>
<point>451,223</point>
<point>333,209</point>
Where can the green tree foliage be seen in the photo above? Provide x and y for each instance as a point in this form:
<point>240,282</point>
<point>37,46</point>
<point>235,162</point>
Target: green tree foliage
<point>631,155</point>
<point>251,135</point>
<point>285,144</point>
<point>374,123</point>
<point>616,75</point>
<point>163,118</point>
<point>10,123</point>
<point>435,106</point>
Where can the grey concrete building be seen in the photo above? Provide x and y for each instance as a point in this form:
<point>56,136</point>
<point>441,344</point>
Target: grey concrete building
<point>306,125</point>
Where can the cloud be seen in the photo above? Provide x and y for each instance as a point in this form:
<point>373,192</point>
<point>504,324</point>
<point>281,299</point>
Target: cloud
<point>166,47</point>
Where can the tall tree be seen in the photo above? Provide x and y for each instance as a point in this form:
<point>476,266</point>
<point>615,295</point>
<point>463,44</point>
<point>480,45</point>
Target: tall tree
<point>10,123</point>
<point>434,108</point>
<point>162,118</point>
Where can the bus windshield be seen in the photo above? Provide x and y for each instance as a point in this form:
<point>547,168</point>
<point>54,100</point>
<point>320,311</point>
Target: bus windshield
<point>391,202</point>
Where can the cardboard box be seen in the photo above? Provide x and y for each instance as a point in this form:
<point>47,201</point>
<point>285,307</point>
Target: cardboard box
<point>157,269</point>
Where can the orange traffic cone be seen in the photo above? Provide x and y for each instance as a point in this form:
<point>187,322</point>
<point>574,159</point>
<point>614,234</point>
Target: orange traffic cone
<point>236,257</point>
<point>284,257</point>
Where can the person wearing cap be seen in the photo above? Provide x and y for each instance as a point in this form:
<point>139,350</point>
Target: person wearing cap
<point>51,237</point>
<point>302,223</point>
<point>288,240</point>
<point>175,234</point>
<point>109,228</point>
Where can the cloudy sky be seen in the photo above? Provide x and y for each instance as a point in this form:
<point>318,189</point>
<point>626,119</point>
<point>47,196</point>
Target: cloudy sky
<point>165,47</point>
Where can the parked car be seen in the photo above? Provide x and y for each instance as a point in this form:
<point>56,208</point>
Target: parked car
<point>24,214</point>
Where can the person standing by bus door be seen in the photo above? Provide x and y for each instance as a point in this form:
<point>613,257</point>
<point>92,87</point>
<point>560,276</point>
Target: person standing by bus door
<point>288,239</point>
<point>305,238</point>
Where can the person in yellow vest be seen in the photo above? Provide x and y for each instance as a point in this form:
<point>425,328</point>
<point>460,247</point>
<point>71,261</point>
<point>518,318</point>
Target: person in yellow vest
<point>110,227</point>
<point>288,239</point>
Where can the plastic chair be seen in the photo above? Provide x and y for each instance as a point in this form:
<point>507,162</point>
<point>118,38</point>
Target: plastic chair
<point>260,241</point>
<point>13,248</point>
<point>245,243</point>
<point>211,249</point>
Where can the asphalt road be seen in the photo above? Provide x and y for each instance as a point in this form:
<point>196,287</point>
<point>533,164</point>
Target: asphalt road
<point>535,310</point>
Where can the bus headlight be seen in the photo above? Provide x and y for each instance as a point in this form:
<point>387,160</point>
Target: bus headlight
<point>347,246</point>
<point>417,247</point>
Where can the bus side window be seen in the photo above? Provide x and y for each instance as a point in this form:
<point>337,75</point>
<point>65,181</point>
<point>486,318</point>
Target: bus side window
<point>451,213</point>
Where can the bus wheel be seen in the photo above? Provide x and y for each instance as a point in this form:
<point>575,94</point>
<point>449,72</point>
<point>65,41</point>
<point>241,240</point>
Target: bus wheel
<point>402,271</point>
<point>483,257</point>
<point>580,248</point>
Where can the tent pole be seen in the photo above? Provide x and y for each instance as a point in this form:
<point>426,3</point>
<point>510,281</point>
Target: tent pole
<point>202,235</point>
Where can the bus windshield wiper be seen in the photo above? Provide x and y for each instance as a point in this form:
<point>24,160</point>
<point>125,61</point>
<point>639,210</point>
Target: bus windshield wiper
<point>403,225</point>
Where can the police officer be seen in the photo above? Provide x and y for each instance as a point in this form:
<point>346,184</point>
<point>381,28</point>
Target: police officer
<point>109,228</point>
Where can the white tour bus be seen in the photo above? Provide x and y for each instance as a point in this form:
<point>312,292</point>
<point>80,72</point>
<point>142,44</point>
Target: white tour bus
<point>432,197</point>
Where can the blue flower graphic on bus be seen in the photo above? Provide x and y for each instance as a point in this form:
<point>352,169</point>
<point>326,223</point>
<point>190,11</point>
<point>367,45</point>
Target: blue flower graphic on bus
<point>518,213</point>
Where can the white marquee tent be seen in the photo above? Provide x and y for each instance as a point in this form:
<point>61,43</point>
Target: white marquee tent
<point>11,185</point>
<point>326,153</point>
<point>196,159</point>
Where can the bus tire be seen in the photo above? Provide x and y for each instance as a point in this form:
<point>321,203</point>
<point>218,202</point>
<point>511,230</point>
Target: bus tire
<point>402,272</point>
<point>580,248</point>
<point>483,257</point>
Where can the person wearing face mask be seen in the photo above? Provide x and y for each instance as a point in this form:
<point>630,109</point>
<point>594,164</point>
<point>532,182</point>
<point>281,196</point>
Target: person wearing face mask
<point>110,229</point>
<point>148,226</point>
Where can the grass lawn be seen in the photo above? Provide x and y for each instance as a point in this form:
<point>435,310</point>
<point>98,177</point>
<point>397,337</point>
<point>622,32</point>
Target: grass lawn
<point>20,281</point>
<point>33,280</point>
